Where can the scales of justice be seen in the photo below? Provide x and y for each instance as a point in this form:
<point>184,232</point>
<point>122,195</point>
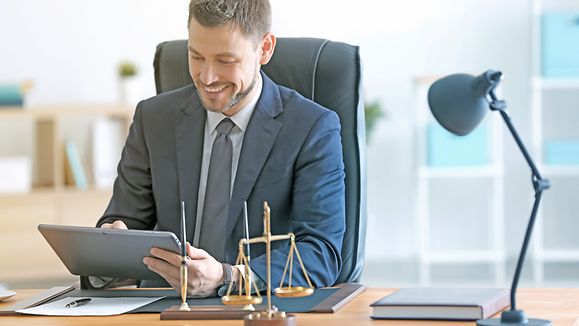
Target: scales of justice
<point>242,303</point>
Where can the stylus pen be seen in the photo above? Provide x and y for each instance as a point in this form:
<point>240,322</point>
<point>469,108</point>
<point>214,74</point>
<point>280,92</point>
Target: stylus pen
<point>183,231</point>
<point>78,303</point>
<point>246,228</point>
<point>247,273</point>
<point>184,305</point>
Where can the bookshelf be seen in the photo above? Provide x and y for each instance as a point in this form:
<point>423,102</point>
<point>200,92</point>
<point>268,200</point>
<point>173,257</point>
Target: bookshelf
<point>25,255</point>
<point>554,94</point>
<point>460,213</point>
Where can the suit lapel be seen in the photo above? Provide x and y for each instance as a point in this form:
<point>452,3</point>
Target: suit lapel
<point>189,134</point>
<point>260,135</point>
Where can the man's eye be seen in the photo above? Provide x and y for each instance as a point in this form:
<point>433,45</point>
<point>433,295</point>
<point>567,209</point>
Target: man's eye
<point>227,61</point>
<point>196,58</point>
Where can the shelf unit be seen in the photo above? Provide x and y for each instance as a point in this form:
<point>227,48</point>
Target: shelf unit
<point>551,223</point>
<point>25,255</point>
<point>491,251</point>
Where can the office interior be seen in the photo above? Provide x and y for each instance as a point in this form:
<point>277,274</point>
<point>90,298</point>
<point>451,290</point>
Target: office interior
<point>431,220</point>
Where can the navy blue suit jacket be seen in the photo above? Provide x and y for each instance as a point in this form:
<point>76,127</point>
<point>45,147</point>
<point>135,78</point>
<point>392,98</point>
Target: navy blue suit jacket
<point>291,157</point>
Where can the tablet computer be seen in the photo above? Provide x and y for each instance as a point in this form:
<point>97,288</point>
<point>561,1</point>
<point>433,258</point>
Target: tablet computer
<point>107,252</point>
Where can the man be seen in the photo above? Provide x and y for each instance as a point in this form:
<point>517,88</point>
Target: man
<point>233,136</point>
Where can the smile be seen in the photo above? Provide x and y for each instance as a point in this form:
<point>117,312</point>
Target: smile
<point>214,89</point>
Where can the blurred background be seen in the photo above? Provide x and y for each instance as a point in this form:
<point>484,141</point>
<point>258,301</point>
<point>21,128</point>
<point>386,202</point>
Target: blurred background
<point>441,210</point>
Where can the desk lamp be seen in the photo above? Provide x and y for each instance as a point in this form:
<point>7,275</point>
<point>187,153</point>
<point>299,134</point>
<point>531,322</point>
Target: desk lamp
<point>459,103</point>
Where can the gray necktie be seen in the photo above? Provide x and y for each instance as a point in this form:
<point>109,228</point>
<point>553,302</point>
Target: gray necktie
<point>217,192</point>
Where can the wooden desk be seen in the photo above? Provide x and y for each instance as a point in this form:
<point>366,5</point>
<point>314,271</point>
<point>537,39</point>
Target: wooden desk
<point>561,306</point>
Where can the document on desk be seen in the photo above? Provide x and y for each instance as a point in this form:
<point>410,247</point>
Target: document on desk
<point>96,306</point>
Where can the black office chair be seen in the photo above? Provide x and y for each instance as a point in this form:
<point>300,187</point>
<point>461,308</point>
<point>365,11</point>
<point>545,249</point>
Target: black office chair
<point>328,73</point>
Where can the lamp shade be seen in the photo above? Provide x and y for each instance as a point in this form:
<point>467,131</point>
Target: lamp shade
<point>459,102</point>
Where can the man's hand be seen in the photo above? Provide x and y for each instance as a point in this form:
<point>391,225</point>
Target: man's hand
<point>204,273</point>
<point>101,282</point>
<point>118,224</point>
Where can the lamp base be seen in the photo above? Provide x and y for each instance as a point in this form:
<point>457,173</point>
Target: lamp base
<point>513,318</point>
<point>498,321</point>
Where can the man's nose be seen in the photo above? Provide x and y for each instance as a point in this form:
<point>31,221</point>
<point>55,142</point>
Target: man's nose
<point>208,74</point>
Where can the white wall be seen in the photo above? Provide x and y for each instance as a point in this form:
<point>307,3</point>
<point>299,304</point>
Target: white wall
<point>70,49</point>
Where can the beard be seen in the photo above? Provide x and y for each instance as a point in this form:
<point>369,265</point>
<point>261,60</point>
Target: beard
<point>234,100</point>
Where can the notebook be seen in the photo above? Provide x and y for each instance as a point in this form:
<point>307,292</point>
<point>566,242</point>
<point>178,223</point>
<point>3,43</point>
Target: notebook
<point>441,303</point>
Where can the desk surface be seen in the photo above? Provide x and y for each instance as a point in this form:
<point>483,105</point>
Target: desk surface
<point>561,306</point>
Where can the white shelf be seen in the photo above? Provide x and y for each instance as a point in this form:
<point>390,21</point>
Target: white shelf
<point>460,172</point>
<point>560,170</point>
<point>551,6</point>
<point>556,83</point>
<point>68,110</point>
<point>464,256</point>
<point>539,109</point>
<point>558,255</point>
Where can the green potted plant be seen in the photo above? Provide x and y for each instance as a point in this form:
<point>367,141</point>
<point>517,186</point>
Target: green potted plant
<point>129,92</point>
<point>127,69</point>
<point>373,112</point>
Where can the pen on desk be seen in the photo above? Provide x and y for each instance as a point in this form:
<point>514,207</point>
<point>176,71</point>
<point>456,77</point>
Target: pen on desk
<point>77,303</point>
<point>183,270</point>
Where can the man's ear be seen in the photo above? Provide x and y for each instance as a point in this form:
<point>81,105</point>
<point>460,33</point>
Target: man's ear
<point>267,47</point>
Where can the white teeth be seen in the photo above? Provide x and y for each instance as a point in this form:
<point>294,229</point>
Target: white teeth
<point>214,90</point>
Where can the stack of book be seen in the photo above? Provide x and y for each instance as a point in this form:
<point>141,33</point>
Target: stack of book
<point>441,304</point>
<point>10,95</point>
<point>13,94</point>
<point>75,174</point>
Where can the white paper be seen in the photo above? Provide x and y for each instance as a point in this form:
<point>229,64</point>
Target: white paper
<point>97,307</point>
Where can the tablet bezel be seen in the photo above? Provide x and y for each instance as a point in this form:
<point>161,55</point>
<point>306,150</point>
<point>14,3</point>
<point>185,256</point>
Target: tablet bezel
<point>117,253</point>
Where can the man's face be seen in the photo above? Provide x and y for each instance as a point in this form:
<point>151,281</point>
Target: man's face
<point>224,65</point>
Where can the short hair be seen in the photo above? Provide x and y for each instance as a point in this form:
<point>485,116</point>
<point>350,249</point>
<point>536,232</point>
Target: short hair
<point>253,17</point>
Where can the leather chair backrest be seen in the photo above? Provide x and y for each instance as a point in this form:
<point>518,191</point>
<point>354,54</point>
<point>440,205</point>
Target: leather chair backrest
<point>328,73</point>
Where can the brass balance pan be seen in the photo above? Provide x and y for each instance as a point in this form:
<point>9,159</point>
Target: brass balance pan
<point>293,292</point>
<point>241,300</point>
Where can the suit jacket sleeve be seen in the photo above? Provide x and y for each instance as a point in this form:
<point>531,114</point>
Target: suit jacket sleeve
<point>318,213</point>
<point>132,200</point>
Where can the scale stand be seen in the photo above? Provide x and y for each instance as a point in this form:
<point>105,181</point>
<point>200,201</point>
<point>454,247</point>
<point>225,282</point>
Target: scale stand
<point>269,316</point>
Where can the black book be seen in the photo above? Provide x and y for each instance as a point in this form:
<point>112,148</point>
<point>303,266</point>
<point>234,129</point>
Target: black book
<point>441,304</point>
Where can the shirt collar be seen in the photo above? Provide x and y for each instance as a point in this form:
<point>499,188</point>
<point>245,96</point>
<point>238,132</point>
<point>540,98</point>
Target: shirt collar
<point>241,118</point>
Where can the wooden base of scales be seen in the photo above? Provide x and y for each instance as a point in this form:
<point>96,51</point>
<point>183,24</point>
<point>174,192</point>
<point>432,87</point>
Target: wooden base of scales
<point>265,319</point>
<point>232,309</point>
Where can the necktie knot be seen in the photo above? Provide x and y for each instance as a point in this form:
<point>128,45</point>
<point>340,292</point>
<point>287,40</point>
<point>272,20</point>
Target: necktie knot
<point>225,126</point>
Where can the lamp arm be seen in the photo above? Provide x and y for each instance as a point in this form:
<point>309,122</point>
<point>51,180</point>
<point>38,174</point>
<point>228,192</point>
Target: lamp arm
<point>501,106</point>
<point>523,252</point>
<point>539,184</point>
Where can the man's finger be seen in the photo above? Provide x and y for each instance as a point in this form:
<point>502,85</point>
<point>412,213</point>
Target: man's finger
<point>118,224</point>
<point>175,283</point>
<point>166,271</point>
<point>170,257</point>
<point>196,253</point>
<point>163,268</point>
